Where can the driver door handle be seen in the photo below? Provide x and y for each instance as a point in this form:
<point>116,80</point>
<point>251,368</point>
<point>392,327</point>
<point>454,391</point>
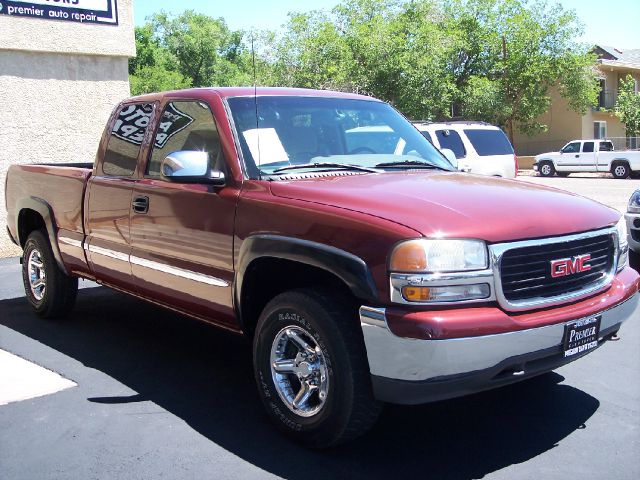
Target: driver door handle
<point>140,204</point>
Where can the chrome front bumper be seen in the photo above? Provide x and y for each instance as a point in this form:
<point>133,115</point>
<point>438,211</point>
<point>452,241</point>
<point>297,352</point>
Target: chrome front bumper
<point>413,360</point>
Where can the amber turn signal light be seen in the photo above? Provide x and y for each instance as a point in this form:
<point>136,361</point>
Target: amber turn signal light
<point>409,257</point>
<point>416,294</point>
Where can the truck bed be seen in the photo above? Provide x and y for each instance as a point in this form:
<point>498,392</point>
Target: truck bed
<point>55,188</point>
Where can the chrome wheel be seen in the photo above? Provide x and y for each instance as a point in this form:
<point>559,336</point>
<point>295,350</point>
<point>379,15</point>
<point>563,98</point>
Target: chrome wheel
<point>545,169</point>
<point>620,171</point>
<point>299,371</point>
<point>37,276</point>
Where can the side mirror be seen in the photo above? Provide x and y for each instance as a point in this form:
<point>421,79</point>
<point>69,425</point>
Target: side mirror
<point>449,155</point>
<point>190,166</point>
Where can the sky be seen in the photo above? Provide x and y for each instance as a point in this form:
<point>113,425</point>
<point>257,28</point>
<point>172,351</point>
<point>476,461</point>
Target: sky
<point>613,23</point>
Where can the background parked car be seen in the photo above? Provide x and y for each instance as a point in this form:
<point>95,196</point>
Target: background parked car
<point>633,228</point>
<point>588,156</point>
<point>479,147</point>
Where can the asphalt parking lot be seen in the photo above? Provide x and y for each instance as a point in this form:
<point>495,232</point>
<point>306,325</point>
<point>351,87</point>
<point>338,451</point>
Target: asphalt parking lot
<point>162,396</point>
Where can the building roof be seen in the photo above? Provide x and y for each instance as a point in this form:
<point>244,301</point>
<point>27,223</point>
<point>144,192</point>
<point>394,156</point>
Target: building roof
<point>616,57</point>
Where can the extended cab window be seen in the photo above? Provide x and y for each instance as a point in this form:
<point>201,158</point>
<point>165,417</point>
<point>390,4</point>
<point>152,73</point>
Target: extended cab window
<point>606,147</point>
<point>451,139</point>
<point>573,147</point>
<point>587,147</point>
<point>125,140</point>
<point>185,125</point>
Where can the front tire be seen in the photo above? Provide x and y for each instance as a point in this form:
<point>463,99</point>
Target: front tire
<point>311,368</point>
<point>547,169</point>
<point>50,291</point>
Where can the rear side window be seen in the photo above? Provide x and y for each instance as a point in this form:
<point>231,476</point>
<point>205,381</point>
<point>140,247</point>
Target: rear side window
<point>489,142</point>
<point>126,138</point>
<point>185,125</point>
<point>606,147</point>
<point>587,147</point>
<point>451,139</point>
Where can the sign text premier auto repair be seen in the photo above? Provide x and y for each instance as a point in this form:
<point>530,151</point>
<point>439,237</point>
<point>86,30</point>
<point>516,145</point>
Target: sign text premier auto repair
<point>83,11</point>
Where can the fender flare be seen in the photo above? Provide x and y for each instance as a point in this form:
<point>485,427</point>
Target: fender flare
<point>546,159</point>
<point>620,159</point>
<point>352,270</point>
<point>43,208</point>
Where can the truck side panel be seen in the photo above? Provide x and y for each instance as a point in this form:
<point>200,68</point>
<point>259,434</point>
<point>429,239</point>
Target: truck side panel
<point>36,190</point>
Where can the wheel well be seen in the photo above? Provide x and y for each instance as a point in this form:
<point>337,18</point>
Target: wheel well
<point>267,277</point>
<point>28,221</point>
<point>619,161</point>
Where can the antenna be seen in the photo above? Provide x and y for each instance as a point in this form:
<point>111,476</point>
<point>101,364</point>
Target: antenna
<point>255,99</point>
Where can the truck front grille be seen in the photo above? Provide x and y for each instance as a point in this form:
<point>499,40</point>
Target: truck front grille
<point>526,272</point>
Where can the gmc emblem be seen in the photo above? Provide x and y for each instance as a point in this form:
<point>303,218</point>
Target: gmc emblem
<point>569,266</point>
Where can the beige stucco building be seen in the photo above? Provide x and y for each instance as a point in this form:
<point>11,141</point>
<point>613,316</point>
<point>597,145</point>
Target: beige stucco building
<point>60,76</point>
<point>565,124</point>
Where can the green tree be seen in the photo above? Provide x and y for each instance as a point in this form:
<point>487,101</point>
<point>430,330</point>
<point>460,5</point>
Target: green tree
<point>385,48</point>
<point>508,54</point>
<point>153,69</point>
<point>205,50</point>
<point>628,106</point>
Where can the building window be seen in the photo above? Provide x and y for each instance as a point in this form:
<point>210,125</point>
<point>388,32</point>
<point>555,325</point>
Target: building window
<point>599,130</point>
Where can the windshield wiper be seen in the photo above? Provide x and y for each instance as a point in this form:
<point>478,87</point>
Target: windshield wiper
<point>409,163</point>
<point>328,165</point>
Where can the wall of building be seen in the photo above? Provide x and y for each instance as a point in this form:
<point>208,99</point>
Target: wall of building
<point>563,124</point>
<point>59,82</point>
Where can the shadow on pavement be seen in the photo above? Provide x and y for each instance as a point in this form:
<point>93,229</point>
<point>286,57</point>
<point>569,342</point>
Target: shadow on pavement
<point>204,376</point>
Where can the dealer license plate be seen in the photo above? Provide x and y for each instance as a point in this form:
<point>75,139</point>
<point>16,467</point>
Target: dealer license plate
<point>581,336</point>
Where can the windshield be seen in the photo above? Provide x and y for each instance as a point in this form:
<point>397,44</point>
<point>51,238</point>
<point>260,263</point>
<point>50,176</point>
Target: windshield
<point>298,131</point>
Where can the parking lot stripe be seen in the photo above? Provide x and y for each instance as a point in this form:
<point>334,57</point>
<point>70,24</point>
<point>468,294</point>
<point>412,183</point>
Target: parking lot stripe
<point>22,380</point>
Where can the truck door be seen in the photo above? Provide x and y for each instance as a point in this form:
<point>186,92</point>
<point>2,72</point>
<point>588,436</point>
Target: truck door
<point>604,156</point>
<point>108,201</point>
<point>569,158</point>
<point>182,233</point>
<point>587,157</point>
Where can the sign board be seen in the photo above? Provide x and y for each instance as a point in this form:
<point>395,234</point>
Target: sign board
<point>82,11</point>
<point>133,120</point>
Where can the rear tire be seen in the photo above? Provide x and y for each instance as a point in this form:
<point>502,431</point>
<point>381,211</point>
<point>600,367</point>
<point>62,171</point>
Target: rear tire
<point>311,368</point>
<point>546,169</point>
<point>620,170</point>
<point>50,291</point>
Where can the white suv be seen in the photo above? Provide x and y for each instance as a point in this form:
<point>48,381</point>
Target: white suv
<point>479,147</point>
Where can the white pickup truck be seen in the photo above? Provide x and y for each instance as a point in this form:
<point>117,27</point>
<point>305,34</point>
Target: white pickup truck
<point>588,156</point>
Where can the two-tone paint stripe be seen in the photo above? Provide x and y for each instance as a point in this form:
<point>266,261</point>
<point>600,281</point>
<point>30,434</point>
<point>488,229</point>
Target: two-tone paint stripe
<point>143,262</point>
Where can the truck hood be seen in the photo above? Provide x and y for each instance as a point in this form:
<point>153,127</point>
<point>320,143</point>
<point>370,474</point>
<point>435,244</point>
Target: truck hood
<point>455,205</point>
<point>546,154</point>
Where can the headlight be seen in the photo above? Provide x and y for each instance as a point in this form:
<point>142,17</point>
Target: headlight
<point>430,255</point>
<point>623,245</point>
<point>634,202</point>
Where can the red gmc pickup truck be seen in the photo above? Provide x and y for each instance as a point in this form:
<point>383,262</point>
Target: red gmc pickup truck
<point>364,268</point>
